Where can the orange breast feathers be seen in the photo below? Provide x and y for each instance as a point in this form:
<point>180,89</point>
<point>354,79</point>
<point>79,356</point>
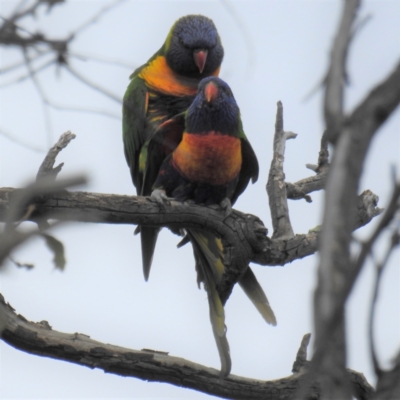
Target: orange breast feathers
<point>209,158</point>
<point>160,77</point>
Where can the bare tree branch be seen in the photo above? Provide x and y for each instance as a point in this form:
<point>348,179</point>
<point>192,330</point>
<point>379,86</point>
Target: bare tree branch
<point>251,59</point>
<point>390,212</point>
<point>46,169</point>
<point>336,274</point>
<point>300,189</point>
<point>93,85</point>
<point>42,95</point>
<point>276,187</point>
<point>105,60</point>
<point>97,16</point>
<point>80,109</point>
<point>301,357</point>
<point>336,76</point>
<point>156,366</point>
<point>15,139</point>
<point>20,64</point>
<point>245,234</point>
<point>33,72</point>
<point>395,241</point>
<point>388,386</point>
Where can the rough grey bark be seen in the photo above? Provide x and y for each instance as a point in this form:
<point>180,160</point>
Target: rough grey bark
<point>301,188</point>
<point>243,234</point>
<point>337,272</point>
<point>276,187</point>
<point>40,339</point>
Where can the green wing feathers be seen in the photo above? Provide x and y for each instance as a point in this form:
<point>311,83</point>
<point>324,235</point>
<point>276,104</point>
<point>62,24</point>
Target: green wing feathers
<point>133,127</point>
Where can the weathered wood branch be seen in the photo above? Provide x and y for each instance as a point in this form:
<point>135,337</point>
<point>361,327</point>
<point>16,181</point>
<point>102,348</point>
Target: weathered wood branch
<point>276,187</point>
<point>301,188</point>
<point>388,386</point>
<point>156,366</point>
<point>46,169</point>
<point>337,271</point>
<point>336,76</point>
<point>244,234</point>
<point>347,165</point>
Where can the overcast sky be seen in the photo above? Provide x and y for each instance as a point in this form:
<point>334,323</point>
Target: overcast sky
<point>274,50</point>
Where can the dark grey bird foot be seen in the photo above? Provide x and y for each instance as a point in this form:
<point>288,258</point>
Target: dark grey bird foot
<point>188,202</point>
<point>227,206</point>
<point>161,198</point>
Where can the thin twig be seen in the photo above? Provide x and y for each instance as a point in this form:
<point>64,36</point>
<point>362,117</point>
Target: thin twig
<point>88,110</point>
<point>96,17</point>
<point>12,67</point>
<point>395,240</point>
<point>42,95</point>
<point>91,57</point>
<point>20,142</point>
<point>30,74</point>
<point>390,212</point>
<point>17,15</point>
<point>301,188</point>
<point>251,59</point>
<point>19,6</point>
<point>94,86</point>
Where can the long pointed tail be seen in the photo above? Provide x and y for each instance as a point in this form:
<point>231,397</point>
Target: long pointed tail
<point>210,267</point>
<point>209,256</point>
<point>248,282</point>
<point>148,238</point>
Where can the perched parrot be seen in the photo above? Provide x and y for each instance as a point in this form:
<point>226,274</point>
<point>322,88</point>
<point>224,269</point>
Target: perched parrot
<point>160,89</point>
<point>203,155</point>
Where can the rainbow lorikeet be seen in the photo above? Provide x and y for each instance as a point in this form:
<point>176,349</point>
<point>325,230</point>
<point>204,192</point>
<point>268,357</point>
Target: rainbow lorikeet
<point>203,155</point>
<point>163,87</point>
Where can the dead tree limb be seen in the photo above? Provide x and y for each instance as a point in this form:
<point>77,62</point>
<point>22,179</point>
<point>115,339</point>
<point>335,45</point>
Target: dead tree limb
<point>150,365</point>
<point>352,135</point>
<point>301,188</point>
<point>276,187</point>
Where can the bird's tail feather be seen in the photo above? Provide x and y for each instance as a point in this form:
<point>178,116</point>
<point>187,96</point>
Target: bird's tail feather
<point>148,236</point>
<point>248,282</point>
<point>212,249</point>
<point>209,265</point>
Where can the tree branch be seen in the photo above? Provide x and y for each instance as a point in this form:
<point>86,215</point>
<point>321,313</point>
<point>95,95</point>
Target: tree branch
<point>336,272</point>
<point>46,169</point>
<point>244,234</point>
<point>276,187</point>
<point>300,189</point>
<point>336,76</point>
<point>395,241</point>
<point>156,366</point>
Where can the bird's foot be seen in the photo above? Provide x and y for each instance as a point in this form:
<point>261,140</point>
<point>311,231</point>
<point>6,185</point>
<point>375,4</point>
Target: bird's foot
<point>160,197</point>
<point>188,202</point>
<point>226,206</point>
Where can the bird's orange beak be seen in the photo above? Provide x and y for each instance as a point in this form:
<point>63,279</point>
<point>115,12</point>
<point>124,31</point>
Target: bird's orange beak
<point>200,58</point>
<point>210,92</point>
